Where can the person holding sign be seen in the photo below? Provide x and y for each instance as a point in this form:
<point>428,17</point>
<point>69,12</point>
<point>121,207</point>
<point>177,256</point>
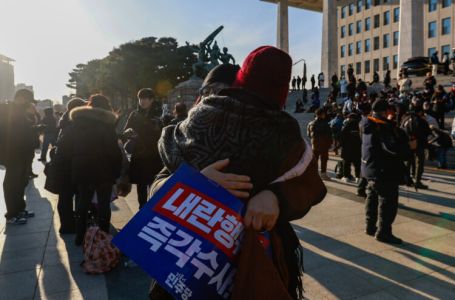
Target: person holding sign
<point>246,125</point>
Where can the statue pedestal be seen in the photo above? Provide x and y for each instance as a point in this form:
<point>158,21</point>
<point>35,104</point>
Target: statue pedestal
<point>186,92</point>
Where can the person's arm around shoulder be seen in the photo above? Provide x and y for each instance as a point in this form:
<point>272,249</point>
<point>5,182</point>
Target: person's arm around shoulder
<point>299,194</point>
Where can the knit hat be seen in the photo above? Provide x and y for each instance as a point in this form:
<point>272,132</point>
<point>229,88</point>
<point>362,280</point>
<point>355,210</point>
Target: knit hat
<point>380,105</point>
<point>266,72</point>
<point>75,102</point>
<point>224,73</point>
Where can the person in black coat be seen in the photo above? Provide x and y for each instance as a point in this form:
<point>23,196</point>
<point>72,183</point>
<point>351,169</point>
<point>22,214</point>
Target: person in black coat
<point>91,148</point>
<point>382,165</point>
<point>351,145</point>
<point>67,191</point>
<point>49,124</point>
<point>143,130</point>
<point>18,145</point>
<point>417,129</point>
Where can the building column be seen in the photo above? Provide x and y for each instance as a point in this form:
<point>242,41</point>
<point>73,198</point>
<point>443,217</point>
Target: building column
<point>329,59</point>
<point>411,30</point>
<point>282,36</point>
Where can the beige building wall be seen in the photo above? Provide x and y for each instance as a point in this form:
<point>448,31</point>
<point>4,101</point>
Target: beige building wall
<point>437,16</point>
<point>393,50</point>
<point>379,32</point>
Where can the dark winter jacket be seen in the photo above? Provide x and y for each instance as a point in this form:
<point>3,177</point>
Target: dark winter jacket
<point>439,101</point>
<point>17,135</point>
<point>351,143</point>
<point>382,150</point>
<point>434,59</point>
<point>50,125</point>
<point>416,128</point>
<point>429,83</point>
<point>145,159</point>
<point>90,147</point>
<point>63,124</point>
<point>320,134</point>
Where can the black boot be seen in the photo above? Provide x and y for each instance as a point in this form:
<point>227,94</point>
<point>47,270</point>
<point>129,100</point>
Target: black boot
<point>388,238</point>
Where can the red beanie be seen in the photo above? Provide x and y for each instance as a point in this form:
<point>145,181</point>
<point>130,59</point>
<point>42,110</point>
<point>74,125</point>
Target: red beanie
<point>266,72</point>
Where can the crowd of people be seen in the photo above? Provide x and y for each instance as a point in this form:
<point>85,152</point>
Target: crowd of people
<point>386,134</point>
<point>380,130</point>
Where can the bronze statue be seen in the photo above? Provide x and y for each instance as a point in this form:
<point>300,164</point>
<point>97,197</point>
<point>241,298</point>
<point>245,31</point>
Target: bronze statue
<point>225,57</point>
<point>208,56</point>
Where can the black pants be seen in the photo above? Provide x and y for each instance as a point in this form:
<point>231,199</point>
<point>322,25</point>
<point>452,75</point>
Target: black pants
<point>347,167</point>
<point>65,207</point>
<point>382,195</point>
<point>16,179</point>
<point>440,118</point>
<point>324,155</point>
<point>362,185</point>
<point>86,193</point>
<point>417,164</point>
<point>142,194</point>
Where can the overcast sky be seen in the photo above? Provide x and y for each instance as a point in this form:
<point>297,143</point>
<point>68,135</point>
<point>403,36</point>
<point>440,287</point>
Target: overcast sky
<point>47,38</point>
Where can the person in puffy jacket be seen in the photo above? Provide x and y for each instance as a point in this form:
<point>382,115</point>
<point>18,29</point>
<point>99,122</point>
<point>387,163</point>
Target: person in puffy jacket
<point>91,148</point>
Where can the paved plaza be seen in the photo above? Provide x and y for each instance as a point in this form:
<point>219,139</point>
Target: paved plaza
<point>341,262</point>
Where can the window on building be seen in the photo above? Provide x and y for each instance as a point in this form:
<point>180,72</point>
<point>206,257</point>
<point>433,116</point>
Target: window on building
<point>367,4</point>
<point>432,29</point>
<point>367,45</point>
<point>385,63</point>
<point>367,24</point>
<point>358,68</point>
<point>431,51</point>
<point>376,43</point>
<point>386,18</point>
<point>446,26</point>
<point>377,21</point>
<point>367,67</point>
<point>343,12</point>
<point>377,2</point>
<point>343,51</point>
<point>396,14</point>
<point>351,8</point>
<point>445,49</point>
<point>432,5</point>
<point>446,3</point>
<point>395,61</point>
<point>396,38</point>
<point>350,49</point>
<point>386,40</point>
<point>351,29</point>
<point>359,27</point>
<point>359,5</point>
<point>358,48</point>
<point>376,65</point>
<point>342,31</point>
<point>342,70</point>
<point>385,1</point>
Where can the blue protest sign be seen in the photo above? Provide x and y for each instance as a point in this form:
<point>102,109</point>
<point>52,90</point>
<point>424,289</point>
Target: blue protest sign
<point>187,237</point>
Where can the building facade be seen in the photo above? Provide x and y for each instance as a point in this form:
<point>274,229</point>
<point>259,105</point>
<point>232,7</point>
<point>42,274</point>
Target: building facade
<point>378,35</point>
<point>6,79</point>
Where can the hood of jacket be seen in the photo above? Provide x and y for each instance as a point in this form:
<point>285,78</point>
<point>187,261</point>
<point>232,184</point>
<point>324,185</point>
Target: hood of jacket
<point>93,114</point>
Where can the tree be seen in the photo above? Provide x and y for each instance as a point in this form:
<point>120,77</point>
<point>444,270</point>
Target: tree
<point>148,62</point>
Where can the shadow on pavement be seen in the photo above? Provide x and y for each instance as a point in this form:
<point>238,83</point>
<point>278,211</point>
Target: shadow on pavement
<point>368,273</point>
